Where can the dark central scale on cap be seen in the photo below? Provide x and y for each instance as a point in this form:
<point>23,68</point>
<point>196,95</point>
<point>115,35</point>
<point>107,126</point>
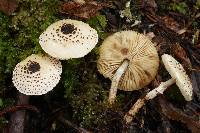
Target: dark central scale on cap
<point>68,29</point>
<point>33,67</point>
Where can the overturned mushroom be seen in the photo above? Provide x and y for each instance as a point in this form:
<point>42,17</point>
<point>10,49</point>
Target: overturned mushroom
<point>68,38</point>
<point>129,59</point>
<point>179,77</point>
<point>37,74</point>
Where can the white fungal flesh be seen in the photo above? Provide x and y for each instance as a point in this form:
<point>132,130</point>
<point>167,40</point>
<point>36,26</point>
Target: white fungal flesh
<point>37,74</point>
<point>68,38</point>
<point>178,73</point>
<point>115,81</point>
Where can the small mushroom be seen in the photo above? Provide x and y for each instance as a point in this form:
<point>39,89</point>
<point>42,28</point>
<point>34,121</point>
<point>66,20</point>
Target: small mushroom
<point>179,77</point>
<point>37,74</point>
<point>129,59</point>
<point>68,38</point>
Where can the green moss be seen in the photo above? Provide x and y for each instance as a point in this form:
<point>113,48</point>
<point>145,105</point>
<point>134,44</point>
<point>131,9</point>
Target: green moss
<point>89,105</point>
<point>28,23</point>
<point>179,7</point>
<point>5,102</point>
<point>99,23</point>
<point>70,76</point>
<point>20,32</point>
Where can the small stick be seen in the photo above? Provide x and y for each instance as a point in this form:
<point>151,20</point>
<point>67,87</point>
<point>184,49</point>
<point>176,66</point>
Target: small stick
<point>115,81</point>
<point>68,123</point>
<point>18,108</point>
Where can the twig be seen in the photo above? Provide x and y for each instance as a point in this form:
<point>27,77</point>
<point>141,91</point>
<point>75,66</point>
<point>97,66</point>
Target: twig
<point>18,108</point>
<point>68,123</point>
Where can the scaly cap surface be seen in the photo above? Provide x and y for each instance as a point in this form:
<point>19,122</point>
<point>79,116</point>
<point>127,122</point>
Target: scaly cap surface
<point>37,74</point>
<point>178,73</point>
<point>68,38</point>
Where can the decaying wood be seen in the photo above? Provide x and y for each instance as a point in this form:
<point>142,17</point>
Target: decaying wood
<point>17,121</point>
<point>17,108</point>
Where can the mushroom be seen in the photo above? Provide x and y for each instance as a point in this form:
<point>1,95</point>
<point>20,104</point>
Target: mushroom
<point>129,59</point>
<point>37,74</point>
<point>68,38</point>
<point>179,77</point>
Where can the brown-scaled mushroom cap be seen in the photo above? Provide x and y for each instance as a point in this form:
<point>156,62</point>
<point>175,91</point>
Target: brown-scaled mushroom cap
<point>138,50</point>
<point>68,38</point>
<point>178,73</point>
<point>37,74</point>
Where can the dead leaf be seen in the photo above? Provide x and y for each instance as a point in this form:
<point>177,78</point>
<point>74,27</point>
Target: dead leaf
<point>197,46</point>
<point>151,3</point>
<point>70,6</point>
<point>176,114</point>
<point>171,23</point>
<point>161,44</point>
<point>84,11</point>
<point>180,53</point>
<point>8,6</point>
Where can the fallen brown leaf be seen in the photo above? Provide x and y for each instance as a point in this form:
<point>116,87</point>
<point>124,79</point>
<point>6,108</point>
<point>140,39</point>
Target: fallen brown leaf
<point>171,23</point>
<point>180,53</point>
<point>161,44</point>
<point>84,11</point>
<point>8,6</point>
<point>70,6</point>
<point>151,5</point>
<point>197,46</point>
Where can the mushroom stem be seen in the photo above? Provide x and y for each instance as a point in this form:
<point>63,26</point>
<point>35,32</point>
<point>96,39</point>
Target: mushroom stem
<point>152,94</point>
<point>115,81</point>
<point>160,89</point>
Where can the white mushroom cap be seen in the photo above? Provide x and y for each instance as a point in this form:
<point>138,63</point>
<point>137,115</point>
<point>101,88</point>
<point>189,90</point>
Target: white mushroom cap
<point>37,74</point>
<point>68,38</point>
<point>178,73</point>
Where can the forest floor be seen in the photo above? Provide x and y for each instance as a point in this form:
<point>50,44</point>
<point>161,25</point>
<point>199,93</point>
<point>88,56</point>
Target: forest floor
<point>79,102</point>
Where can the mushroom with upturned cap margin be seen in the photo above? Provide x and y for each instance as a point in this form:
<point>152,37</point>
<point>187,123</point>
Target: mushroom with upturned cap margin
<point>37,74</point>
<point>68,38</point>
<point>129,59</point>
<point>179,77</point>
